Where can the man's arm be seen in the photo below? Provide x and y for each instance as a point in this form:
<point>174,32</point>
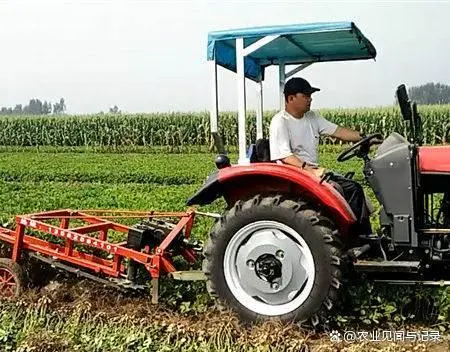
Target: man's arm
<point>296,161</point>
<point>347,134</point>
<point>331,129</point>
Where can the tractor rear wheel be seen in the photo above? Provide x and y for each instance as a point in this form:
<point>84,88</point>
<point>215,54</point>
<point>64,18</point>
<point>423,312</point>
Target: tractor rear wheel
<point>12,278</point>
<point>271,257</point>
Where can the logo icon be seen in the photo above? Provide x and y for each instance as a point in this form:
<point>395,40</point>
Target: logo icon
<point>335,336</point>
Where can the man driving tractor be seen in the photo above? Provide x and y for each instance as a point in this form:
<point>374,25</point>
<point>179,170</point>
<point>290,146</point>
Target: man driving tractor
<point>294,138</point>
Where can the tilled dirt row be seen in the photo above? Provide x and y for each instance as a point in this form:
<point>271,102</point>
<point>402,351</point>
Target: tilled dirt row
<point>90,299</point>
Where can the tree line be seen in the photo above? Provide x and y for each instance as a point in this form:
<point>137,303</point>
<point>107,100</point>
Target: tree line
<point>36,107</point>
<point>429,93</point>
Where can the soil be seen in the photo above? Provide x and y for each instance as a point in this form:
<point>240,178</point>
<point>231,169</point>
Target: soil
<point>65,297</point>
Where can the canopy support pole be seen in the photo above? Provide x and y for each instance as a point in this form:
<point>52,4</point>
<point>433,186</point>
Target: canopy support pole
<point>214,107</point>
<point>282,81</point>
<point>259,44</point>
<point>298,69</point>
<point>243,160</point>
<point>241,52</point>
<point>259,111</point>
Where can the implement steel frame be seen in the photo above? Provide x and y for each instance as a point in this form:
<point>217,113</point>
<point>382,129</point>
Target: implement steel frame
<point>156,260</point>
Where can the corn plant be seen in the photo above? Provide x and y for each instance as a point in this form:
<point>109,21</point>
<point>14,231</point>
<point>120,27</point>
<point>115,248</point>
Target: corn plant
<point>182,129</point>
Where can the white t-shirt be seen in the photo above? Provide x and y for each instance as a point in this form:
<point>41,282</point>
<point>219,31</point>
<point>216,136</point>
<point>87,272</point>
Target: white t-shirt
<point>300,137</point>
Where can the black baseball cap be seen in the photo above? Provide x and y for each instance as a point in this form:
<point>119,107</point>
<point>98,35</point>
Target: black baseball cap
<point>298,85</point>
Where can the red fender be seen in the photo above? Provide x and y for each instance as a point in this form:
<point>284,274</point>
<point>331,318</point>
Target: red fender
<point>324,194</point>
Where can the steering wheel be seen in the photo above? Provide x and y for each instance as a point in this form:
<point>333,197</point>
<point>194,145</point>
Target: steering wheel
<point>360,148</point>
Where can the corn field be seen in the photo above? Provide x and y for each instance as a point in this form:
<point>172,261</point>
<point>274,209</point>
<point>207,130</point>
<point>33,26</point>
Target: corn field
<point>183,129</point>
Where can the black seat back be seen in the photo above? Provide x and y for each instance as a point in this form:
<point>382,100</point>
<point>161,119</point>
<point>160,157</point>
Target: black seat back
<point>263,150</point>
<point>260,151</point>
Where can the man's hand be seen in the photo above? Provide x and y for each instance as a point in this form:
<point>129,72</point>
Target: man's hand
<point>295,161</point>
<point>316,171</point>
<point>346,134</point>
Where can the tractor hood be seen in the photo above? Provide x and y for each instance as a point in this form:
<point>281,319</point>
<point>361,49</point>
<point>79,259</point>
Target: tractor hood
<point>434,159</point>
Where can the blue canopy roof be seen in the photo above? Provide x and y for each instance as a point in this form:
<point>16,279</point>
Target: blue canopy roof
<point>296,44</point>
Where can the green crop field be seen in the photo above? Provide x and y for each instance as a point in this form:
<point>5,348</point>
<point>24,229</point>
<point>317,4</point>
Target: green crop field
<point>74,318</point>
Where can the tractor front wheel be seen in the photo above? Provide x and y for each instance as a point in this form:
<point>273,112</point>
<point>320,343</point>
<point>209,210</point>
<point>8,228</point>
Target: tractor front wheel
<point>274,258</point>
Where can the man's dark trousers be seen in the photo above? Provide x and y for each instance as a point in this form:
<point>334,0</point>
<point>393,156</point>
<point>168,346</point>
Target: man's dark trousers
<point>354,195</point>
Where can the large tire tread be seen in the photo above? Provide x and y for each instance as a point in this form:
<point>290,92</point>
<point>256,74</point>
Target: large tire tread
<point>322,225</point>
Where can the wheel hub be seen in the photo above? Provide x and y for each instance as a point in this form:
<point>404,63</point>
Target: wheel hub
<point>269,267</point>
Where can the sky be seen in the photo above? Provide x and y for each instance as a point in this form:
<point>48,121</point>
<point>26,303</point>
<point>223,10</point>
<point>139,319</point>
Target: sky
<point>150,56</point>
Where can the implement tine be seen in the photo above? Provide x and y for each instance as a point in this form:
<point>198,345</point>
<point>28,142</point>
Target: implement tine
<point>211,215</point>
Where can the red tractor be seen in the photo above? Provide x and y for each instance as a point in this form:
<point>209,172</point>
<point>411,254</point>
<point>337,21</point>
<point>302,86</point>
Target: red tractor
<point>280,248</point>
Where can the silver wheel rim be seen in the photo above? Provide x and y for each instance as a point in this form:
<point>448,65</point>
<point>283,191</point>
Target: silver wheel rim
<point>275,243</point>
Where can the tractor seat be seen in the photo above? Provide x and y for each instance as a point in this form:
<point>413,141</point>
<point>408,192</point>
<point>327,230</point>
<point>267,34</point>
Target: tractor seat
<point>259,152</point>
